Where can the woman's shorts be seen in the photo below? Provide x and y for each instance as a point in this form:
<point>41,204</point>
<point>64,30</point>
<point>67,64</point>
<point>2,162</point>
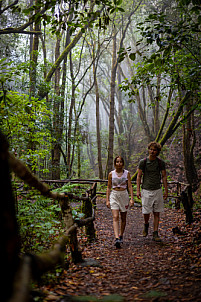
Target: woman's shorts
<point>119,200</point>
<point>152,201</point>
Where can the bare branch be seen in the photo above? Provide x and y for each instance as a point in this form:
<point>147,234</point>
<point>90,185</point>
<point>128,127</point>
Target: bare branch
<point>7,7</point>
<point>12,30</point>
<point>21,28</point>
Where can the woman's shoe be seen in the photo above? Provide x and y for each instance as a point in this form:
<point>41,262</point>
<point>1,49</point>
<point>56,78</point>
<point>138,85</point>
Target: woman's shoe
<point>121,239</point>
<point>117,243</point>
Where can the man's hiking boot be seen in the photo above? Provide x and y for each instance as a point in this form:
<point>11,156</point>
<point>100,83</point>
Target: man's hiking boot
<point>117,243</point>
<point>156,237</point>
<point>146,228</point>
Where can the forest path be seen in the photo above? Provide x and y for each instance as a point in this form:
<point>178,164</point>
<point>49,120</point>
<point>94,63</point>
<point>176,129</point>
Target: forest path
<point>141,270</point>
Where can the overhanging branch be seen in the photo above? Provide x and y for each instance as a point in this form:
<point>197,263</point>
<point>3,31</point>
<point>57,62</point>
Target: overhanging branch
<point>18,31</point>
<point>8,7</point>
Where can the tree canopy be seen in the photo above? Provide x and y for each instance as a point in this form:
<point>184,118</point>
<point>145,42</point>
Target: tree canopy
<point>83,81</point>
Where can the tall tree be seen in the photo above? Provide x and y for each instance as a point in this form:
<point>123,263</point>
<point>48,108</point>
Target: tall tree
<point>189,141</point>
<point>115,61</point>
<point>112,103</point>
<point>121,140</point>
<point>34,48</point>
<point>57,126</point>
<point>98,136</point>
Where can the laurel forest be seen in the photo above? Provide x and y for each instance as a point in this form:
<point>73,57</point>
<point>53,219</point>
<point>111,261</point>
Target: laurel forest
<point>82,82</point>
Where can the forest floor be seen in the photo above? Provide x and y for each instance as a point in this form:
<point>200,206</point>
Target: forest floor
<point>141,270</point>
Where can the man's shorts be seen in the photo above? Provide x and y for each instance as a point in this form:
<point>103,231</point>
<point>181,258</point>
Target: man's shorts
<point>119,200</point>
<point>152,201</point>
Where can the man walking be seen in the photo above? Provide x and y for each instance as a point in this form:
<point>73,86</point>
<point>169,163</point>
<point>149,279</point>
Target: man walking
<point>152,168</point>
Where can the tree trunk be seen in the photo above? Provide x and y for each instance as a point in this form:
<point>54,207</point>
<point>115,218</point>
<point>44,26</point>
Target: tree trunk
<point>63,86</point>
<point>189,141</point>
<point>121,136</point>
<point>10,240</point>
<point>68,220</point>
<point>156,107</point>
<point>143,118</point>
<point>70,118</point>
<point>174,124</point>
<point>66,51</point>
<point>142,107</point>
<point>57,129</point>
<point>78,160</point>
<point>98,136</point>
<point>165,115</point>
<point>90,151</point>
<point>34,44</point>
<point>112,107</point>
<point>33,65</point>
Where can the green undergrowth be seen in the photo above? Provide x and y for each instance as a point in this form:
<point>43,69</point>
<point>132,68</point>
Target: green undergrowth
<point>40,220</point>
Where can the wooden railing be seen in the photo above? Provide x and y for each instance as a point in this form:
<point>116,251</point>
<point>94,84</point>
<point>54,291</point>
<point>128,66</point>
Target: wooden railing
<point>183,192</point>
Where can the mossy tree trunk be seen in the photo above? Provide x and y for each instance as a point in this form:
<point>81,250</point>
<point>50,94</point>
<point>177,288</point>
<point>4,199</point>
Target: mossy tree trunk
<point>189,141</point>
<point>57,127</point>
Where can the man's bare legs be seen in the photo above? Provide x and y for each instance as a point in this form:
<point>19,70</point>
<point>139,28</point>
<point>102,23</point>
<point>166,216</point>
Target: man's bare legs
<point>146,218</point>
<point>146,224</point>
<point>156,220</point>
<point>156,224</point>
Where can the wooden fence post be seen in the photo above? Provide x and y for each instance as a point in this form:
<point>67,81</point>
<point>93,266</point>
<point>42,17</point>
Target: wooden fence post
<point>93,193</point>
<point>177,200</point>
<point>187,201</point>
<point>87,209</point>
<point>68,220</point>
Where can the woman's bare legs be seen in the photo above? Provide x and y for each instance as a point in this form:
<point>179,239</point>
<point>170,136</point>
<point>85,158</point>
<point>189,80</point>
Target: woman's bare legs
<point>123,222</point>
<point>115,214</point>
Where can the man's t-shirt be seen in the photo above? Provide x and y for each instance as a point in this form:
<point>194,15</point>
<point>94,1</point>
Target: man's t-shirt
<point>151,173</point>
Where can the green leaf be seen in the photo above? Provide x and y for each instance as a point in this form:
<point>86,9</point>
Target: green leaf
<point>196,9</point>
<point>112,10</point>
<point>119,2</point>
<point>150,67</point>
<point>132,56</point>
<point>120,9</point>
<point>167,52</point>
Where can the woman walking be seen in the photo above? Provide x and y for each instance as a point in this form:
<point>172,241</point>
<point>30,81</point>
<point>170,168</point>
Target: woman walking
<point>118,198</point>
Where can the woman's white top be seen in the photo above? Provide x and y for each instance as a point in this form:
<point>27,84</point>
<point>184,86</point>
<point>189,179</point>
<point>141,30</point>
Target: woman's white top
<point>119,181</point>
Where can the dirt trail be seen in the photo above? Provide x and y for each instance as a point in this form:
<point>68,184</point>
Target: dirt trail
<point>141,270</point>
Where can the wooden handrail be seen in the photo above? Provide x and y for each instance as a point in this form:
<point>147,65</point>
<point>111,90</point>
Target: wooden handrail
<point>91,181</point>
